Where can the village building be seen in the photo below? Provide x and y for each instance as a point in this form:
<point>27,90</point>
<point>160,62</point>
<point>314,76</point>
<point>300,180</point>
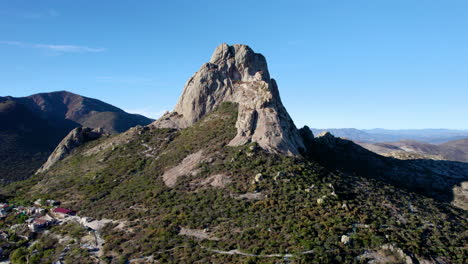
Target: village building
<point>62,212</point>
<point>52,202</point>
<point>30,210</point>
<point>3,234</point>
<point>3,213</point>
<point>38,202</point>
<point>41,223</point>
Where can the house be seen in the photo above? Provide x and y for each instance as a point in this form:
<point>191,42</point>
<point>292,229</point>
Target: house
<point>20,209</point>
<point>86,220</point>
<point>38,202</point>
<point>41,223</point>
<point>31,210</point>
<point>62,212</point>
<point>3,235</point>
<point>52,203</point>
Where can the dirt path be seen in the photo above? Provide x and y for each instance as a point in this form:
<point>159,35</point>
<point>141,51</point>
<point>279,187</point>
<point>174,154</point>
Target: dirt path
<point>238,252</point>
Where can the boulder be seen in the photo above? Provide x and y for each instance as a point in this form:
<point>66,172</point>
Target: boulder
<point>258,177</point>
<point>345,239</point>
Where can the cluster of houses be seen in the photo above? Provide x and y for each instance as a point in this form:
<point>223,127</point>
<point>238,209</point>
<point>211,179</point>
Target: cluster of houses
<point>38,219</point>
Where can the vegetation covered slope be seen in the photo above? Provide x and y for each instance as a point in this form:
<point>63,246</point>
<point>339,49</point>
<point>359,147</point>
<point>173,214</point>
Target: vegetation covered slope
<point>31,127</point>
<point>240,204</point>
<point>21,153</point>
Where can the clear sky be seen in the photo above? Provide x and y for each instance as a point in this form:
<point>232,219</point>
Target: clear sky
<point>363,64</point>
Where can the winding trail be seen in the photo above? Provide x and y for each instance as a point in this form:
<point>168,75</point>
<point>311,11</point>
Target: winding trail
<point>238,252</point>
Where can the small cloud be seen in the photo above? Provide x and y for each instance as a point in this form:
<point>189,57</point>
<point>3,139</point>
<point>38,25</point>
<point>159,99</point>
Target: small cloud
<point>13,43</point>
<point>148,112</point>
<point>35,15</point>
<point>68,48</point>
<point>53,47</point>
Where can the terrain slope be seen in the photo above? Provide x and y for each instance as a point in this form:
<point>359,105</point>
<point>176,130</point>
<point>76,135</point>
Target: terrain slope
<point>235,182</point>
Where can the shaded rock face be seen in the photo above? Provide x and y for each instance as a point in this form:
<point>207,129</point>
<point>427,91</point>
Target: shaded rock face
<point>74,139</point>
<point>238,74</point>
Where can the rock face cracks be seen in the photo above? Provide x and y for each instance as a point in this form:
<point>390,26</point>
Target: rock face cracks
<point>238,74</point>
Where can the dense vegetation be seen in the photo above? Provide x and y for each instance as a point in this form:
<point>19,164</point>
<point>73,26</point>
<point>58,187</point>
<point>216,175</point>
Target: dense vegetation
<point>21,153</point>
<point>295,207</point>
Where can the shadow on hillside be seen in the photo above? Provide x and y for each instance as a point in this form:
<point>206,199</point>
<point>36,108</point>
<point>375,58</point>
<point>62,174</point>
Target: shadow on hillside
<point>433,178</point>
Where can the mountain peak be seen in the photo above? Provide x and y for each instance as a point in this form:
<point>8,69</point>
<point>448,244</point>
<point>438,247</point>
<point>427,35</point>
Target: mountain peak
<point>237,74</point>
<point>244,58</point>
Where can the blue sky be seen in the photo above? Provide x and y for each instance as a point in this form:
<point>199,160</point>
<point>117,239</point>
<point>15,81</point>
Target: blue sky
<point>364,64</point>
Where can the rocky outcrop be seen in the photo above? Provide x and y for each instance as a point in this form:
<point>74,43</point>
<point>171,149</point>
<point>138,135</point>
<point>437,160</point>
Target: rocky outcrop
<point>238,74</point>
<point>74,139</point>
<point>307,135</point>
<point>188,166</point>
<point>460,195</point>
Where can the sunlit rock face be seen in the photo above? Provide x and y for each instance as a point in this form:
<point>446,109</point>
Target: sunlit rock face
<point>237,74</point>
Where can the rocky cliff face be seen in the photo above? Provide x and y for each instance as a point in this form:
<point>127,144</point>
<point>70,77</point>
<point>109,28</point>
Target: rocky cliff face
<point>74,139</point>
<point>238,74</point>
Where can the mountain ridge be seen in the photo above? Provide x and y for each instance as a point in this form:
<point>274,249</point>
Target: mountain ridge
<point>456,150</point>
<point>78,110</point>
<point>32,127</point>
<point>433,136</point>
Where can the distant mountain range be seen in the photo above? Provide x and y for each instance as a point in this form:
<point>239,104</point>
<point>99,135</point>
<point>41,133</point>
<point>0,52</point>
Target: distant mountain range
<point>456,150</point>
<point>31,127</point>
<point>433,136</point>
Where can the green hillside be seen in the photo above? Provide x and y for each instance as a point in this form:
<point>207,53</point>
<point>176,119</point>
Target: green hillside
<point>238,205</point>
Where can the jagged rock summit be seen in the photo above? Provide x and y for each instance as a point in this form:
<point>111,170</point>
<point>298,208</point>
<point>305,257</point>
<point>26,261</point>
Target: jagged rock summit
<point>237,74</point>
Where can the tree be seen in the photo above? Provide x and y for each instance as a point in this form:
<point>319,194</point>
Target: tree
<point>19,256</point>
